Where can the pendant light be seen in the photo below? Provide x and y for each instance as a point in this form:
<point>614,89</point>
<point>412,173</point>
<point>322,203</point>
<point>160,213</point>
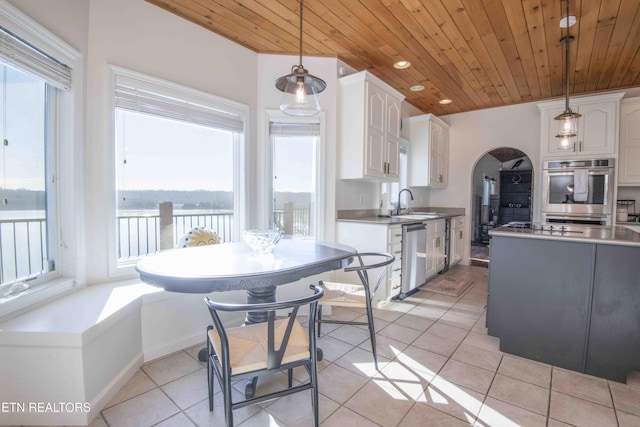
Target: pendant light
<point>300,89</point>
<point>568,127</point>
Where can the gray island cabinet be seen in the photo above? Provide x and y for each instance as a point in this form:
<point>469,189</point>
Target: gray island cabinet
<point>569,299</point>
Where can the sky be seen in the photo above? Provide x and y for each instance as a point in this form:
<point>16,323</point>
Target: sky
<point>161,154</point>
<point>22,125</point>
<point>164,154</point>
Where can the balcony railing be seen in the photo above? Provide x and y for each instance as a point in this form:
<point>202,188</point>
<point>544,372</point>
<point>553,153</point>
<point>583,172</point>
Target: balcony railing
<point>23,242</point>
<point>140,235</point>
<point>23,248</point>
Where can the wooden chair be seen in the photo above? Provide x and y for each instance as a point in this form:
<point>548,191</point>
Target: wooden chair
<point>357,295</point>
<point>250,351</point>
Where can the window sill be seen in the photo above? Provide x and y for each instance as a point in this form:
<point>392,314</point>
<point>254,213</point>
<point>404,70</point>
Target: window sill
<point>11,307</point>
<point>79,316</point>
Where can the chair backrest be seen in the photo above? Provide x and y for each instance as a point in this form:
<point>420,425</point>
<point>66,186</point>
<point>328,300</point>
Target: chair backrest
<point>368,261</point>
<point>199,236</point>
<point>274,356</point>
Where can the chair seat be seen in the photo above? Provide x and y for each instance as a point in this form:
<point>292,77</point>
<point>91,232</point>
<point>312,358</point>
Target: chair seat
<point>343,294</point>
<point>248,345</point>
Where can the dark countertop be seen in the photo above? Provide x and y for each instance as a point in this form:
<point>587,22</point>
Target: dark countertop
<point>619,235</point>
<point>406,218</point>
<point>416,215</point>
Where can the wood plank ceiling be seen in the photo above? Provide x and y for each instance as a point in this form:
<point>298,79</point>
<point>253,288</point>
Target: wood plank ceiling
<point>478,53</point>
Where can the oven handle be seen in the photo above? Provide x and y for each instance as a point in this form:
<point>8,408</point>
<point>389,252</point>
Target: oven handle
<point>569,216</point>
<point>591,172</point>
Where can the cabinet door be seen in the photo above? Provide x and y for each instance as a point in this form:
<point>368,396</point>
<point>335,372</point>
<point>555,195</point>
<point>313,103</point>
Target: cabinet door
<point>435,247</point>
<point>457,240</point>
<point>432,251</point>
<point>393,137</point>
<point>549,131</point>
<point>376,149</point>
<point>459,252</point>
<point>440,251</point>
<point>444,157</point>
<point>438,156</point>
<point>614,333</point>
<point>629,143</point>
<point>435,155</point>
<point>596,128</point>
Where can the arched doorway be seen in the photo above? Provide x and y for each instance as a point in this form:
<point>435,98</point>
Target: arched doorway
<point>502,193</point>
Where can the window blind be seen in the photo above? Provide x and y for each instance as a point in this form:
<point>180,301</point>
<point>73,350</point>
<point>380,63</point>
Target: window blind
<point>145,97</point>
<point>294,129</point>
<point>21,54</point>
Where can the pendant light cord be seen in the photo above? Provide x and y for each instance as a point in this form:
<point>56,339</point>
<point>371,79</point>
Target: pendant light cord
<point>566,50</point>
<point>301,33</point>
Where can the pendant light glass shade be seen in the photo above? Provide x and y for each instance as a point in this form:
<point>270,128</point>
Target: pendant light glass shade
<point>299,88</point>
<point>300,92</point>
<point>568,120</point>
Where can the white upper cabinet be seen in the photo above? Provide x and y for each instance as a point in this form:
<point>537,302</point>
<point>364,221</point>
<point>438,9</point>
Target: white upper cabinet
<point>370,112</point>
<point>629,158</point>
<point>597,128</point>
<point>429,159</point>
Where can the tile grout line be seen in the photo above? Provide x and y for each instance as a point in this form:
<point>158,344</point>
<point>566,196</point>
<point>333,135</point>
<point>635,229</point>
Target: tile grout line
<point>613,402</point>
<point>369,379</point>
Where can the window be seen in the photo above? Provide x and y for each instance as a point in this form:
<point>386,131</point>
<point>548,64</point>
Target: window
<point>295,164</point>
<point>178,163</point>
<point>393,188</point>
<point>38,225</point>
<point>24,214</point>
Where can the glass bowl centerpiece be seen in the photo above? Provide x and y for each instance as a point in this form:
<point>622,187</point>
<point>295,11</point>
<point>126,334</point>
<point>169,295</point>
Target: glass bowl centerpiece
<point>262,241</point>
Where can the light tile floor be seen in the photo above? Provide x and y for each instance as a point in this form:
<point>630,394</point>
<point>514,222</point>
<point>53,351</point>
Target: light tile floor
<point>438,367</point>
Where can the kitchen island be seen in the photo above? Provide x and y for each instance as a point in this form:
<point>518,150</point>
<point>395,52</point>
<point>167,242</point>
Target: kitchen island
<point>568,296</point>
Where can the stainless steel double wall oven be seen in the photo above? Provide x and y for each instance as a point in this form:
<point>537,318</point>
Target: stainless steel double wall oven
<point>578,191</point>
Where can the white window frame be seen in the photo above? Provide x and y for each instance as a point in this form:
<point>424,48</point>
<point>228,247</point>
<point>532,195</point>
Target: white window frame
<point>68,218</point>
<point>403,179</point>
<point>279,116</point>
<point>119,269</point>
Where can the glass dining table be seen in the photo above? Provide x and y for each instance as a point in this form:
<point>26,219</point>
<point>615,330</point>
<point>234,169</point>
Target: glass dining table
<point>234,266</point>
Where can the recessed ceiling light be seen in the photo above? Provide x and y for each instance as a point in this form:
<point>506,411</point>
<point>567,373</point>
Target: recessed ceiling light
<point>401,65</point>
<point>572,21</point>
<point>445,101</point>
<point>416,88</point>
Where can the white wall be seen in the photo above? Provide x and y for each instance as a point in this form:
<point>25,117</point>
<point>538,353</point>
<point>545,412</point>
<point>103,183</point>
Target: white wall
<point>68,19</point>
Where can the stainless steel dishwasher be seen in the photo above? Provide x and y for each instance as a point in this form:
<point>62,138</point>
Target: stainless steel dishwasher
<point>414,258</point>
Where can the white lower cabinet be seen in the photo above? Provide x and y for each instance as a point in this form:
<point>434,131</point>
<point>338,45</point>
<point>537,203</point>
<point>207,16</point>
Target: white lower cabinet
<point>436,239</point>
<point>395,271</point>
<point>373,237</point>
<point>457,240</point>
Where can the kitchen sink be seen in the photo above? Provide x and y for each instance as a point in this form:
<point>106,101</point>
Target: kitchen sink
<point>419,216</point>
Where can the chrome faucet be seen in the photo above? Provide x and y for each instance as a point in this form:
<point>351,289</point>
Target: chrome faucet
<point>399,193</point>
